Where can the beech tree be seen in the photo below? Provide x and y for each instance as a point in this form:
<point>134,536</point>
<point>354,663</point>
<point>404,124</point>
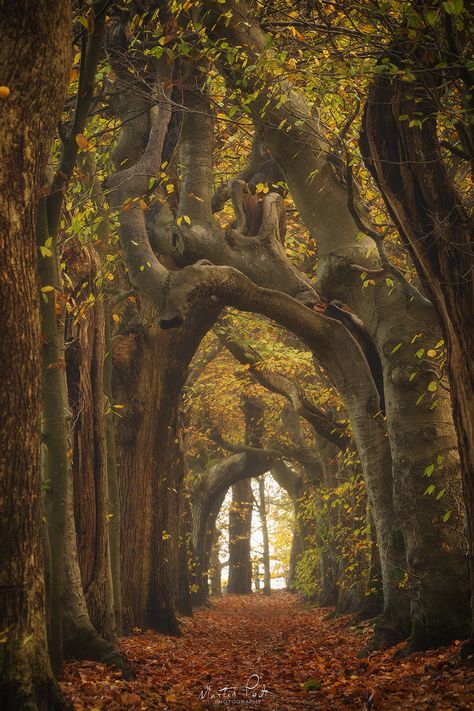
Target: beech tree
<point>35,65</point>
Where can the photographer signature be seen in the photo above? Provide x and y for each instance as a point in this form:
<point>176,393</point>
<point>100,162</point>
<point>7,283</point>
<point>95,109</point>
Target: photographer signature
<point>252,690</point>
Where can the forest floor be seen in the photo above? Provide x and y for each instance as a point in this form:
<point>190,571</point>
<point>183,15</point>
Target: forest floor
<point>265,653</point>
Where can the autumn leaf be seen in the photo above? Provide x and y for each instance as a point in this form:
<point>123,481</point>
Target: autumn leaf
<point>82,141</point>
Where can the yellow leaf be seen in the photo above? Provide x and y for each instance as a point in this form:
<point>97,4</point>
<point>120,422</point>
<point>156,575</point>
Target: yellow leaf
<point>119,407</point>
<point>82,141</point>
<point>143,204</point>
<point>431,353</point>
<point>116,318</point>
<point>4,92</point>
<point>169,188</point>
<point>47,289</point>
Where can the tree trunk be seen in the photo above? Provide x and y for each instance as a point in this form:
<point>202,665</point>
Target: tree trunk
<point>240,527</point>
<point>81,639</point>
<point>150,368</point>
<point>35,57</point>
<point>407,165</point>
<point>297,549</point>
<point>85,370</point>
<point>215,572</point>
<point>112,482</point>
<point>262,510</point>
<point>54,432</point>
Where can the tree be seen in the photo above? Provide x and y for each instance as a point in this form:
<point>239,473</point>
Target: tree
<point>35,58</point>
<point>403,148</point>
<point>347,249</point>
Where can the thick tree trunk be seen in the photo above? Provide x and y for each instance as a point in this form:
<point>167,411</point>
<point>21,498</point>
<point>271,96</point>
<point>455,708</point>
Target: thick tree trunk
<point>35,57</point>
<point>407,165</point>
<point>240,527</point>
<point>150,368</point>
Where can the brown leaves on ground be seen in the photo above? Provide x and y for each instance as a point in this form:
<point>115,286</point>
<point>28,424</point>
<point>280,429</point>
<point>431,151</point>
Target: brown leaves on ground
<point>269,653</point>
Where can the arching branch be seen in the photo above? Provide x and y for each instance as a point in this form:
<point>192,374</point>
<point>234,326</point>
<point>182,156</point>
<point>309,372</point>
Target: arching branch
<point>319,419</point>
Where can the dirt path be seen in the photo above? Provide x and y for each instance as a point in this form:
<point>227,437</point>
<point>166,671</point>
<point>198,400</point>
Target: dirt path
<point>290,655</point>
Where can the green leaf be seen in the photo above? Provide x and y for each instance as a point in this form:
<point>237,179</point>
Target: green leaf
<point>429,489</point>
<point>453,7</point>
<point>447,516</point>
<point>429,470</point>
<point>440,494</point>
<point>312,685</point>
<point>433,386</point>
<point>396,348</point>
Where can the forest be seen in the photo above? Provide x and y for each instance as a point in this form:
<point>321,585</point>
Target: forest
<point>237,346</point>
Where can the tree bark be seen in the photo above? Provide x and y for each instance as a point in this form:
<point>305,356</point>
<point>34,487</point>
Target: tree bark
<point>35,57</point>
<point>150,369</point>
<point>240,528</point>
<point>215,572</point>
<point>262,511</point>
<point>407,165</point>
<point>85,370</point>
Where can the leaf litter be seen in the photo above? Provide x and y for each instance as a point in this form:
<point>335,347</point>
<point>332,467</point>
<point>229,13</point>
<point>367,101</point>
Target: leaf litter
<point>278,653</point>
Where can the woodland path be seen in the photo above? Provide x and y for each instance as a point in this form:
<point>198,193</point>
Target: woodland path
<point>288,646</point>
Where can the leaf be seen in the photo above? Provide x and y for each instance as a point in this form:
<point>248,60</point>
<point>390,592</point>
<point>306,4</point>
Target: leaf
<point>130,699</point>
<point>47,289</point>
<point>429,490</point>
<point>396,348</point>
<point>429,470</point>
<point>433,386</point>
<point>82,141</point>
<point>4,92</point>
<point>312,685</point>
<point>453,7</point>
<point>431,353</point>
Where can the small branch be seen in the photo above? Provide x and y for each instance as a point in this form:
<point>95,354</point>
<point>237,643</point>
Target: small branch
<point>410,290</point>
